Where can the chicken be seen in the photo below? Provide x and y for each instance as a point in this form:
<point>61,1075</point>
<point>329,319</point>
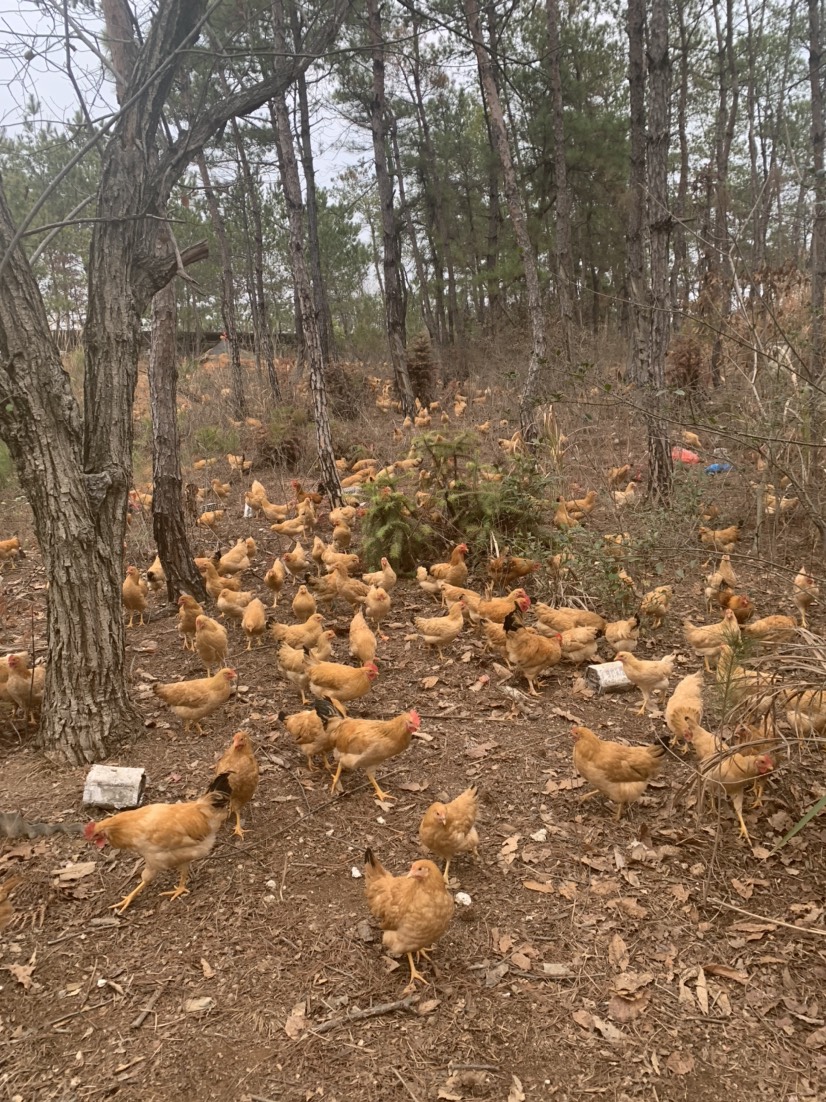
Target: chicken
<point>562,518</point>
<point>232,605</point>
<point>455,571</point>
<point>726,571</point>
<point>235,561</point>
<point>314,497</point>
<point>579,645</point>
<point>621,773</point>
<point>625,497</point>
<point>167,836</point>
<point>453,593</point>
<point>344,514</point>
<point>362,640</point>
<point>193,701</point>
<point>686,702</point>
<point>135,591</point>
<point>426,583</point>
<point>448,829</point>
<point>155,575</point>
<point>804,593</point>
<point>414,910</point>
<point>342,537</point>
<point>366,743</point>
<point>561,619</point>
<point>254,622</point>
<point>343,564</point>
<point>240,766</point>
<point>201,464</point>
<point>647,676</point>
<point>338,683</point>
<point>707,641</point>
<point>256,496</point>
<point>623,634</point>
<point>720,539</point>
<point>292,528</point>
<point>656,603</point>
<point>805,711</point>
<point>739,604</point>
<point>239,464</point>
<point>528,652</point>
<point>299,635</point>
<point>616,544</point>
<point>583,506</point>
<point>508,568</point>
<point>737,683</point>
<point>274,580</point>
<point>691,440</point>
<point>377,605</point>
<point>771,629</point>
<point>385,578</point>
<point>703,743</point>
<point>210,519</point>
<point>440,631</point>
<point>188,612</point>
<point>10,550</point>
<point>296,560</point>
<point>732,774</point>
<point>324,647</point>
<point>303,605</point>
<point>618,475</point>
<point>496,638</point>
<point>210,642</point>
<point>497,608</point>
<point>25,686</point>
<point>215,583</point>
<point>220,489</point>
<point>294,664</point>
<point>310,733</point>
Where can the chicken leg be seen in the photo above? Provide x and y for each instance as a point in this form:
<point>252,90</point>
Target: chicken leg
<point>737,802</point>
<point>415,974</point>
<point>447,866</point>
<point>147,876</point>
<point>180,888</point>
<point>238,828</point>
<point>381,795</point>
<point>336,777</point>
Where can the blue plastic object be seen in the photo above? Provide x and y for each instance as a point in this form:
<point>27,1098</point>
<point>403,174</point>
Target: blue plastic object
<point>719,468</point>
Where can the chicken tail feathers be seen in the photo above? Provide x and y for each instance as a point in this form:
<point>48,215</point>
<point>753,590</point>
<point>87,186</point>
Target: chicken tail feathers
<point>323,709</point>
<point>221,784</point>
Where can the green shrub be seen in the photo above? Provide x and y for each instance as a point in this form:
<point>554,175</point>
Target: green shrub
<point>215,440</point>
<point>390,528</point>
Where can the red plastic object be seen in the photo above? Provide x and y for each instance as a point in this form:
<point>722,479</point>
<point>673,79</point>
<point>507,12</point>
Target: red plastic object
<point>683,455</point>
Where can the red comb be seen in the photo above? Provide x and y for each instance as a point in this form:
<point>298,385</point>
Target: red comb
<point>415,718</point>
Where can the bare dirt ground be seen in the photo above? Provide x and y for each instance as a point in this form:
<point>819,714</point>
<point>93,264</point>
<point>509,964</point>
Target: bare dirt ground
<point>654,958</point>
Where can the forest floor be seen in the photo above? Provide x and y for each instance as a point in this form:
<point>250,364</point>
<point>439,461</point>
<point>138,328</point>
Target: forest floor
<point>658,957</point>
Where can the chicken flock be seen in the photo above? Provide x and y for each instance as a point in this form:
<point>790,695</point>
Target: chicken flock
<point>317,577</point>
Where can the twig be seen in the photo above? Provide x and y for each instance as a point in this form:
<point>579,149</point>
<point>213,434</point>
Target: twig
<point>147,1010</point>
<point>77,1013</point>
<point>359,1015</point>
<point>398,1075</point>
<point>260,1098</point>
<point>764,918</point>
<point>472,1067</point>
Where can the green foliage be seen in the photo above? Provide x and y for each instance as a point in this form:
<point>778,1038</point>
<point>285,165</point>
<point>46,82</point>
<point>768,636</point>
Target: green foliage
<point>390,528</point>
<point>285,436</point>
<point>7,472</point>
<point>595,573</point>
<point>215,440</point>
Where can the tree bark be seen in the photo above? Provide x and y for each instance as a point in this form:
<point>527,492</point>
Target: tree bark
<point>818,132</point>
<point>391,251</point>
<point>538,358</point>
<point>421,275</point>
<point>76,472</point>
<point>322,302</point>
<point>659,229</point>
<point>635,251</point>
<point>291,185</point>
<point>562,199</point>
<point>228,314</point>
<point>168,520</point>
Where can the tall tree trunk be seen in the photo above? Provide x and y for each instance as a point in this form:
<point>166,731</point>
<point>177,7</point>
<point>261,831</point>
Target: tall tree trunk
<point>393,293</point>
<point>635,252</point>
<point>421,275</point>
<point>659,229</point>
<point>818,264</point>
<point>499,132</point>
<point>291,185</point>
<point>168,521</point>
<point>228,314</point>
<point>322,302</point>
<point>562,199</point>
<point>679,265</point>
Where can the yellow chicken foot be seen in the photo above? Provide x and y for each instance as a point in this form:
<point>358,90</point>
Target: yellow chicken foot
<point>618,812</point>
<point>141,621</point>
<point>127,900</point>
<point>381,795</point>
<point>249,644</point>
<point>447,866</point>
<point>335,778</point>
<point>238,828</point>
<point>759,788</point>
<point>588,796</point>
<point>531,687</point>
<point>131,620</point>
<point>744,833</point>
<point>180,888</point>
<point>415,974</point>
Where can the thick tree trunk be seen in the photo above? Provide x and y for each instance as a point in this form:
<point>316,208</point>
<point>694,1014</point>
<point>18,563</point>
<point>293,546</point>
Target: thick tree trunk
<point>228,314</point>
<point>659,229</point>
<point>168,520</point>
<point>818,264</point>
<point>637,370</point>
<point>421,275</point>
<point>499,133</point>
<point>291,185</point>
<point>679,266</point>
<point>391,251</point>
<point>562,201</point>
